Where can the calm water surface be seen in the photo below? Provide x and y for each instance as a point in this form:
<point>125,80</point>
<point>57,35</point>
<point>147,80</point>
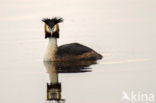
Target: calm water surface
<point>122,31</point>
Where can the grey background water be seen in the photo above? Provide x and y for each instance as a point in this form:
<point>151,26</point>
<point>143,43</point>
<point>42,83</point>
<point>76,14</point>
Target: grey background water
<point>123,31</point>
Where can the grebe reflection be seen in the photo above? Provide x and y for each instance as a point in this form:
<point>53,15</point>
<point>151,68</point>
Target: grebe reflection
<point>54,87</point>
<point>54,68</point>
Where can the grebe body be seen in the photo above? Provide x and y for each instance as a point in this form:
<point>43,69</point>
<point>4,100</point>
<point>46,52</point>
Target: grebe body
<point>67,52</point>
<point>76,51</point>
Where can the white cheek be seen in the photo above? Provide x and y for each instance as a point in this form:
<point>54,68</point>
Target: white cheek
<point>54,28</point>
<point>48,30</point>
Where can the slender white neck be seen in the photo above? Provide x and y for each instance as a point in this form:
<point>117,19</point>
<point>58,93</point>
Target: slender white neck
<point>52,71</point>
<point>50,54</point>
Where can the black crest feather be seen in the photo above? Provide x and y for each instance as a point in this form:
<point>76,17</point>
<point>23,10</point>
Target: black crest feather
<point>53,20</point>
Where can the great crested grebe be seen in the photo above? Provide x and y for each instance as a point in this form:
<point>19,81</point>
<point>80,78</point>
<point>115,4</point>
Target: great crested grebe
<point>67,52</point>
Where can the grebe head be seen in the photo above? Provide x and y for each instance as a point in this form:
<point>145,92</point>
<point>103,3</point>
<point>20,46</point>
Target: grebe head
<point>52,27</point>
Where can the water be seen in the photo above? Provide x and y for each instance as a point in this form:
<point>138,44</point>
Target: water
<point>122,31</point>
